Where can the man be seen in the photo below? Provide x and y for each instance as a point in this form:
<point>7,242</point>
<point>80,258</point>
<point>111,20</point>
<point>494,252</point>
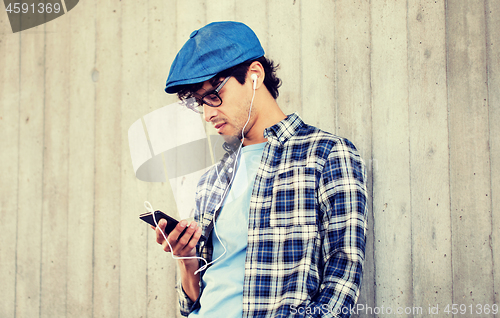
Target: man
<point>287,225</point>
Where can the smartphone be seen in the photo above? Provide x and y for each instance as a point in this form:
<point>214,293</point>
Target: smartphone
<point>171,222</point>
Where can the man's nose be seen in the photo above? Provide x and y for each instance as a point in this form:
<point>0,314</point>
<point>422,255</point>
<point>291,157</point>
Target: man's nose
<point>209,112</point>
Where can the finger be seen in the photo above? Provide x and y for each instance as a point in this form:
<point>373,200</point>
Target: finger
<point>162,224</point>
<point>176,232</point>
<point>194,239</point>
<point>180,236</point>
<point>159,236</point>
<point>188,236</point>
<point>160,230</point>
<point>166,247</point>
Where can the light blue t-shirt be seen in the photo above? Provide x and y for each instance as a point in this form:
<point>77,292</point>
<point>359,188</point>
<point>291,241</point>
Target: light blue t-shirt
<point>223,281</point>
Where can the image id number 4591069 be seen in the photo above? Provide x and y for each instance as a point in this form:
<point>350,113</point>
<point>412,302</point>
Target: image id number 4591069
<point>33,8</point>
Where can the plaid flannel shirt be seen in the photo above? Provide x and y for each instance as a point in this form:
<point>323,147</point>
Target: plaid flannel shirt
<point>307,224</point>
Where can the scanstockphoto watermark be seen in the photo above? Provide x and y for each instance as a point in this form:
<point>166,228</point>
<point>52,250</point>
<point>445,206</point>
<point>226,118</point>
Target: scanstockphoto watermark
<point>359,309</point>
<point>464,310</point>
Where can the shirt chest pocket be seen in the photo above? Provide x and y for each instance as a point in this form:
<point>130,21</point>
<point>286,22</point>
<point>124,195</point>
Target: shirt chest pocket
<point>294,198</point>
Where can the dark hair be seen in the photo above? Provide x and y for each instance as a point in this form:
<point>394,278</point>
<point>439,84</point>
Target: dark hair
<point>271,81</point>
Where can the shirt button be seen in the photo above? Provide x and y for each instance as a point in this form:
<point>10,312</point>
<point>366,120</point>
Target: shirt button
<point>230,170</point>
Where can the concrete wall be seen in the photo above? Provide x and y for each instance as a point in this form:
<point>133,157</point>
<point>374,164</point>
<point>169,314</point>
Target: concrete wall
<point>414,84</point>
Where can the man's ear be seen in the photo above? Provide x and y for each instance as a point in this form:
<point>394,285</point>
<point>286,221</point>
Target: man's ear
<point>256,70</point>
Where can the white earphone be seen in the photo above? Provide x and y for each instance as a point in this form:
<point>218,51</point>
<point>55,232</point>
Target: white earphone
<point>254,79</point>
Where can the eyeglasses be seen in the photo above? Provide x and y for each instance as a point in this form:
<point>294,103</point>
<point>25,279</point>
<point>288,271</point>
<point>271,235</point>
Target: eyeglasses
<point>211,98</point>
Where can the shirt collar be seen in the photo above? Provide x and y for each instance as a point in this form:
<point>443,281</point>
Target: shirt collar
<point>285,129</point>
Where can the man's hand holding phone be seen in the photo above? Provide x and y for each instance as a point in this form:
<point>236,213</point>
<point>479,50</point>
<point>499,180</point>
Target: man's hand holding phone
<point>183,238</point>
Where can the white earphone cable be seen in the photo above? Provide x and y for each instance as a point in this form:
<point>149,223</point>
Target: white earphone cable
<point>229,185</point>
<point>149,207</point>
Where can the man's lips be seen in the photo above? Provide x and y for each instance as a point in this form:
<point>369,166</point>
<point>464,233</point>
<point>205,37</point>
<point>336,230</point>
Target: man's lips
<point>219,125</point>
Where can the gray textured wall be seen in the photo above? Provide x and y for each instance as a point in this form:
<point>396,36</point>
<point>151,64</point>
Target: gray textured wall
<point>414,84</point>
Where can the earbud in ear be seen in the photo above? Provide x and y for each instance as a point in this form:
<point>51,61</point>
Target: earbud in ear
<point>254,79</point>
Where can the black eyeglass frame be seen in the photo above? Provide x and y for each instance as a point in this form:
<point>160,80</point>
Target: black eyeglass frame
<point>214,92</point>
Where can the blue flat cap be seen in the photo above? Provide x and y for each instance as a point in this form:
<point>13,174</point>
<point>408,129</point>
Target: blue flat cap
<point>210,50</point>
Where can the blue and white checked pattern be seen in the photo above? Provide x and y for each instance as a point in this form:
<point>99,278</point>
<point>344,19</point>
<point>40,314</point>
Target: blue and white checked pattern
<point>307,224</point>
